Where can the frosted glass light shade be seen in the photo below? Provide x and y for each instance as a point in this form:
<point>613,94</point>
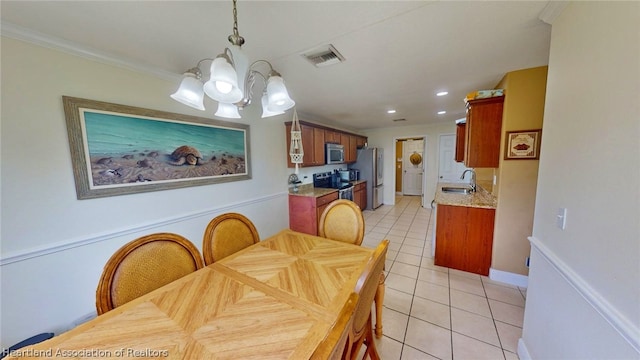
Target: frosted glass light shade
<point>223,77</point>
<point>265,109</point>
<point>226,110</point>
<point>278,97</point>
<point>240,64</point>
<point>190,92</point>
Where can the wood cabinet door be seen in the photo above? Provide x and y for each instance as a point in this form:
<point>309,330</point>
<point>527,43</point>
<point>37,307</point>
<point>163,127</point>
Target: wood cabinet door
<point>352,150</point>
<point>318,146</point>
<point>360,195</point>
<point>483,132</point>
<point>360,141</point>
<point>313,149</point>
<point>464,238</point>
<point>460,139</point>
<point>301,209</point>
<point>331,137</point>
<point>451,232</point>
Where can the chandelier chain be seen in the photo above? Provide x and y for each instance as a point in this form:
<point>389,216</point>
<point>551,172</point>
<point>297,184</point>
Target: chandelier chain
<point>235,19</point>
<point>235,38</point>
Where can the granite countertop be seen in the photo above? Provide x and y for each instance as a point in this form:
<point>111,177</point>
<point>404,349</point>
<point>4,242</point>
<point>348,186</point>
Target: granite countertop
<point>480,199</point>
<point>309,190</point>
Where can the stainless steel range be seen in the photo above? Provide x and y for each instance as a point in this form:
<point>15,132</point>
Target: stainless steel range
<point>331,180</point>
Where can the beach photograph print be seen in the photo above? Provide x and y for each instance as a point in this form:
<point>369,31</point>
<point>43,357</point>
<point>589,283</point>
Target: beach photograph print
<point>117,149</point>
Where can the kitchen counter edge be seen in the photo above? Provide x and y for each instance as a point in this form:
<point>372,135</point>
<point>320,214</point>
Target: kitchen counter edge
<point>309,190</point>
<point>480,199</point>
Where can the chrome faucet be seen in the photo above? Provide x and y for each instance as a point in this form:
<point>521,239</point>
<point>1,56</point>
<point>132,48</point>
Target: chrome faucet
<point>473,178</point>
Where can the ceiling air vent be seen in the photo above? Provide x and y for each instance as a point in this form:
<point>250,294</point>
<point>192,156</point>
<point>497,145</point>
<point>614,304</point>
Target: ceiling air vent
<point>324,56</point>
<point>397,120</point>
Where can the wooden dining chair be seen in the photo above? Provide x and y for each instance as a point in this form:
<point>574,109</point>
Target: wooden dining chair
<point>342,220</point>
<point>143,265</point>
<point>333,345</point>
<point>226,234</point>
<point>361,331</point>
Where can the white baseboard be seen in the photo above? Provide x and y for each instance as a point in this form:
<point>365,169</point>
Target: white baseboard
<point>509,278</point>
<point>523,352</point>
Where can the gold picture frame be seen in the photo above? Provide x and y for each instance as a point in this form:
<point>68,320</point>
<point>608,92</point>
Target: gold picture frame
<point>118,149</point>
<point>522,145</point>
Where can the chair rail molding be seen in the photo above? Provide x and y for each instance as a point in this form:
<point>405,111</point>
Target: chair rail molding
<point>629,331</point>
<point>22,255</point>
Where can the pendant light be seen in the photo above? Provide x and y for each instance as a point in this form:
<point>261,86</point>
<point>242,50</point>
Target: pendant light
<point>231,82</point>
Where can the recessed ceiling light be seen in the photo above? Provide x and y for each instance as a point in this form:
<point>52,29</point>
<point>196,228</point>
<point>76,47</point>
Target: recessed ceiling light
<point>391,111</point>
<point>441,112</point>
<point>442,93</point>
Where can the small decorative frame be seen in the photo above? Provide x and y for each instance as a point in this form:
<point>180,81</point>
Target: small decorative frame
<point>119,149</point>
<point>522,145</point>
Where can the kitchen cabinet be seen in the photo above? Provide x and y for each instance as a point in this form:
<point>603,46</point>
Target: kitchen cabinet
<point>314,138</point>
<point>312,144</point>
<point>460,137</point>
<point>350,149</point>
<point>464,238</point>
<point>331,136</point>
<point>360,194</point>
<point>483,132</point>
<point>305,211</point>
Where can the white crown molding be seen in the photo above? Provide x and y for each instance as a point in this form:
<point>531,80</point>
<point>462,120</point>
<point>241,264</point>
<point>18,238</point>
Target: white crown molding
<point>20,33</point>
<point>552,10</point>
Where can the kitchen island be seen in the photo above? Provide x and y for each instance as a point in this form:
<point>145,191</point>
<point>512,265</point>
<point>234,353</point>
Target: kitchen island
<point>308,202</point>
<point>464,229</point>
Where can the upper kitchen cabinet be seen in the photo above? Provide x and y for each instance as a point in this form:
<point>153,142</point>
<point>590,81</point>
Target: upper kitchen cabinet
<point>314,138</point>
<point>482,132</point>
<point>350,147</point>
<point>312,144</point>
<point>460,137</point>
<point>331,136</point>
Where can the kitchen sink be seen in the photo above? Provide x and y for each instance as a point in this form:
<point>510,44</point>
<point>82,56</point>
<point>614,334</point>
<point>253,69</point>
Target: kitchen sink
<point>455,189</point>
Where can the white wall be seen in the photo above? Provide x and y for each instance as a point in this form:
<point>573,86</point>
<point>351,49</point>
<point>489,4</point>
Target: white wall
<point>583,299</point>
<point>53,246</point>
<point>385,138</point>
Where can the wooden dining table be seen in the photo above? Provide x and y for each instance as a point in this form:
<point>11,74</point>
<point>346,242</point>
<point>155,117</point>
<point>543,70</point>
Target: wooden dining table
<point>276,299</point>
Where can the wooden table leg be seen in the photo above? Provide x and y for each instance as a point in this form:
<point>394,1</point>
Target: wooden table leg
<point>379,300</point>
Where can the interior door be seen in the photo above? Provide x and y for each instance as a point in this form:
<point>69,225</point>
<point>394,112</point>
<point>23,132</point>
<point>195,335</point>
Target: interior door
<point>448,169</point>
<point>413,166</point>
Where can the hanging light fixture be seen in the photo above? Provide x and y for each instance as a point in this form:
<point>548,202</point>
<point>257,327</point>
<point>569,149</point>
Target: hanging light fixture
<point>231,82</point>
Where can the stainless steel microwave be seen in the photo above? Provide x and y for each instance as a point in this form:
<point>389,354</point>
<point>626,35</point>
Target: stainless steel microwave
<point>334,154</point>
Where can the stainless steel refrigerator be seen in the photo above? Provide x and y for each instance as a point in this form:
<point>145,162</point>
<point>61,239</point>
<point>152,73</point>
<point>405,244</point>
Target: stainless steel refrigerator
<point>369,164</point>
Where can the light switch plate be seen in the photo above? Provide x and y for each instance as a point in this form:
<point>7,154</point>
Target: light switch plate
<point>561,219</point>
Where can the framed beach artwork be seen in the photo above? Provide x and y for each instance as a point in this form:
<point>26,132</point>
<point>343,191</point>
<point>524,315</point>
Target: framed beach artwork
<point>522,145</point>
<point>119,149</point>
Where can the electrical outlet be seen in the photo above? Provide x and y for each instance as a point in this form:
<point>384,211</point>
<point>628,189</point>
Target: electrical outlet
<point>561,219</point>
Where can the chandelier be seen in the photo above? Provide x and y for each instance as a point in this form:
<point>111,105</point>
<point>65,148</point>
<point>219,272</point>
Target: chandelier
<point>231,82</point>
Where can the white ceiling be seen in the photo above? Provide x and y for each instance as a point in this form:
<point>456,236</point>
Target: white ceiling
<point>398,53</point>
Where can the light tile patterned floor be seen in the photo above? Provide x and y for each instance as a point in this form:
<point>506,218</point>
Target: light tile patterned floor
<point>432,312</point>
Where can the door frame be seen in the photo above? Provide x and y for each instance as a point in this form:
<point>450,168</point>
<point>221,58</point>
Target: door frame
<point>424,162</point>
